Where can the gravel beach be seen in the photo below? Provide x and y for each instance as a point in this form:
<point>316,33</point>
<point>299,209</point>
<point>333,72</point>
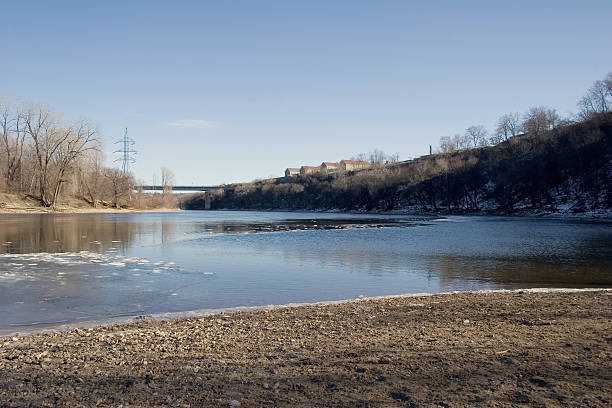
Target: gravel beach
<point>467,349</point>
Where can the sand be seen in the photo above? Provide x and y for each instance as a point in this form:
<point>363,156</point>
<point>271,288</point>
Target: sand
<point>469,349</point>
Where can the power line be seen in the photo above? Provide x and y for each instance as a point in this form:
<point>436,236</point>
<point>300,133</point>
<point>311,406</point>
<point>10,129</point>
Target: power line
<point>127,152</point>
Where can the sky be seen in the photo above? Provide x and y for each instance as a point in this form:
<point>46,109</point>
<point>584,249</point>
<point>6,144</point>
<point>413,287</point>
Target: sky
<point>232,91</point>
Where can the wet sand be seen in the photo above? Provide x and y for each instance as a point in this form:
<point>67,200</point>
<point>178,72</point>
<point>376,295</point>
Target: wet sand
<point>468,349</point>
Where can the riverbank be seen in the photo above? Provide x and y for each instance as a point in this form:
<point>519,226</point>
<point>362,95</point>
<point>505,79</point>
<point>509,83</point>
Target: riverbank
<point>603,214</point>
<point>72,210</point>
<point>485,348</point>
<point>21,204</point>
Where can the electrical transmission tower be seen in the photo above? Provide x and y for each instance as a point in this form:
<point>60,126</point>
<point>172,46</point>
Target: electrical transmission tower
<point>127,152</point>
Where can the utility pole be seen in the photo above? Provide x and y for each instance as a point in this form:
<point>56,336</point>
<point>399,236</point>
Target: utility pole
<point>127,152</point>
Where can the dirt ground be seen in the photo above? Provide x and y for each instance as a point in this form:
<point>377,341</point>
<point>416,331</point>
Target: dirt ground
<point>453,350</point>
<point>21,204</point>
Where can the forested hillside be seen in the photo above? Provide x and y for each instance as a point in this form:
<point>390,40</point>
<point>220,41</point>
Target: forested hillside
<point>564,170</point>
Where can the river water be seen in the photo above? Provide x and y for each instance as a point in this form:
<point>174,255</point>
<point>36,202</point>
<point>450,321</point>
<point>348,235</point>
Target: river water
<point>67,268</point>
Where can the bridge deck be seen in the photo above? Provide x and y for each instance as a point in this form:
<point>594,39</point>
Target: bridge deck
<point>184,188</point>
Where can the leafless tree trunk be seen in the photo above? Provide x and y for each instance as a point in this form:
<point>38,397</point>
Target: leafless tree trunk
<point>90,172</point>
<point>42,129</point>
<point>73,143</point>
<point>120,184</point>
<point>447,145</point>
<point>598,98</point>
<point>13,138</point>
<point>167,178</point>
<point>56,149</point>
<point>508,125</point>
<point>539,119</point>
<point>477,135</point>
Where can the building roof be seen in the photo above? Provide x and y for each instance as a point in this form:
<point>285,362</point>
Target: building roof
<point>329,164</point>
<point>310,167</point>
<point>292,169</point>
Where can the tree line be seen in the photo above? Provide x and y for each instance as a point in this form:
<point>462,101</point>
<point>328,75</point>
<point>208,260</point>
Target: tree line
<point>538,162</point>
<point>48,158</point>
<point>538,119</point>
<point>564,168</point>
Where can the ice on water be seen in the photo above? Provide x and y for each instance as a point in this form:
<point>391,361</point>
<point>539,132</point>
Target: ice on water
<point>43,265</point>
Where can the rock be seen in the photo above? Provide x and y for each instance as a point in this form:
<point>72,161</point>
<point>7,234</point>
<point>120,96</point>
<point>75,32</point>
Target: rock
<point>466,321</point>
<point>540,382</point>
<point>520,398</point>
<point>234,403</point>
<point>402,397</point>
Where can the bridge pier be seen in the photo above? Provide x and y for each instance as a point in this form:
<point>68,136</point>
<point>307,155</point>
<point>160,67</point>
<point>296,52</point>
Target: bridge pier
<point>207,200</point>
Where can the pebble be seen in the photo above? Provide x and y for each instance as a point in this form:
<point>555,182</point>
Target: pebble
<point>234,403</point>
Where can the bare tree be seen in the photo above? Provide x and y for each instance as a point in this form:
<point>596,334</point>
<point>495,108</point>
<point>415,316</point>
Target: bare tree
<point>12,144</point>
<point>56,149</point>
<point>553,118</point>
<point>461,141</point>
<point>167,178</point>
<point>360,157</point>
<point>496,138</point>
<point>42,129</point>
<point>91,177</point>
<point>539,119</point>
<point>74,142</point>
<point>608,83</point>
<point>120,184</point>
<point>477,135</point>
<point>598,98</point>
<point>377,156</point>
<point>447,145</point>
<point>46,157</point>
<point>508,125</point>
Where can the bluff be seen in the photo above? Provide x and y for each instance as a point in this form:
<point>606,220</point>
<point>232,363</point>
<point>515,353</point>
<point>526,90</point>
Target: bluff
<point>566,170</point>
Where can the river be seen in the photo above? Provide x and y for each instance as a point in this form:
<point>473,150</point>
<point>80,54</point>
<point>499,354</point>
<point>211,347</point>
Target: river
<point>68,268</point>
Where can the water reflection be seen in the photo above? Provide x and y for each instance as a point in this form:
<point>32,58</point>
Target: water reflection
<point>538,264</point>
<point>503,273</point>
<point>65,233</point>
<point>71,267</point>
<point>73,233</point>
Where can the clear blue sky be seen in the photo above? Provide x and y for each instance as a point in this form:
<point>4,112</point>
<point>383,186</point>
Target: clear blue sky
<point>227,91</point>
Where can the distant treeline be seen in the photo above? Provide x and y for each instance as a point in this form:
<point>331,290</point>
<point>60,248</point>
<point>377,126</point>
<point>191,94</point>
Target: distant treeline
<point>47,158</point>
<point>568,168</point>
<point>538,119</point>
<point>532,162</point>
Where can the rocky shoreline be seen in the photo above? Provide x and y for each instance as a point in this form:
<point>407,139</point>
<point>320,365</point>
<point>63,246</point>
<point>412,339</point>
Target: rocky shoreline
<point>486,348</point>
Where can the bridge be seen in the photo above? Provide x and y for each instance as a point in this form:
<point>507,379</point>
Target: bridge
<point>185,190</point>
